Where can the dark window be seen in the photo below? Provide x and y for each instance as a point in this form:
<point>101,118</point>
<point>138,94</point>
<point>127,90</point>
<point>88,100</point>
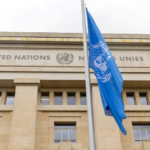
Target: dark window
<point>130,99</point>
<point>141,133</point>
<point>71,99</point>
<point>143,99</point>
<point>65,133</point>
<point>58,98</point>
<point>83,99</point>
<point>10,99</point>
<point>44,98</point>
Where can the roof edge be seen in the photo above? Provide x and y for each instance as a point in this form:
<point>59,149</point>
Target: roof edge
<point>71,35</point>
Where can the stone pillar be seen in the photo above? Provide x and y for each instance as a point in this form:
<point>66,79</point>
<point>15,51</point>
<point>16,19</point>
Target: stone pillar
<point>78,98</point>
<point>124,97</point>
<point>148,97</point>
<point>51,97</point>
<point>23,127</point>
<point>3,98</point>
<point>107,134</point>
<point>137,98</point>
<point>64,98</point>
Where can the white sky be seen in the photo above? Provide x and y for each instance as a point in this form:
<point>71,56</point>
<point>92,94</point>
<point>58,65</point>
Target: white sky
<point>111,16</point>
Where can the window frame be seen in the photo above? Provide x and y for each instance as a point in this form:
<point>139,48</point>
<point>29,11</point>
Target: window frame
<point>64,92</point>
<point>133,98</point>
<point>61,129</point>
<point>74,96</point>
<point>61,93</point>
<point>45,96</point>
<point>7,93</point>
<point>82,96</point>
<point>136,92</point>
<point>135,127</point>
<point>140,93</point>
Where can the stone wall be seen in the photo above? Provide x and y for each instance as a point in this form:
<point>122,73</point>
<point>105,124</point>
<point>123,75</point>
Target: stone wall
<point>45,129</point>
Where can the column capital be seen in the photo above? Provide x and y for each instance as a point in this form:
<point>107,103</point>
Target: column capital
<point>27,82</point>
<point>94,82</point>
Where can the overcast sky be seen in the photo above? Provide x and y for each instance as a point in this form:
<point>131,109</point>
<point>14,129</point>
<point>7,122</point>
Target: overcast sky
<point>111,16</point>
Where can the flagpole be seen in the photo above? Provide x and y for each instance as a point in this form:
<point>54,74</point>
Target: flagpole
<point>88,83</point>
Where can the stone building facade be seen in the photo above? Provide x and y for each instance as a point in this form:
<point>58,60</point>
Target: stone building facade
<point>43,97</point>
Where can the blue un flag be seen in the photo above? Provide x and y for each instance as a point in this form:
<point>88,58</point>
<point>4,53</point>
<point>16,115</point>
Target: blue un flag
<point>107,73</point>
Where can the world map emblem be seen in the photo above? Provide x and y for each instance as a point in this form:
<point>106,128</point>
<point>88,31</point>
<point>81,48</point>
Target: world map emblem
<point>102,55</point>
<point>65,58</point>
<point>102,70</point>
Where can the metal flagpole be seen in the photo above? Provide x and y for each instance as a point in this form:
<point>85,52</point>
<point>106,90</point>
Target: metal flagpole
<point>88,84</point>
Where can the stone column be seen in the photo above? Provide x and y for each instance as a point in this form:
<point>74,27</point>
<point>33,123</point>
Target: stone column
<point>78,98</point>
<point>124,97</point>
<point>64,98</point>
<point>107,134</point>
<point>51,97</point>
<point>22,133</point>
<point>137,98</point>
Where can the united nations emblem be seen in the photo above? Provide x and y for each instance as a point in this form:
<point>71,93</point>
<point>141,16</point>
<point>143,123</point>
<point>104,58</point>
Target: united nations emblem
<point>65,58</point>
<point>102,70</point>
<point>100,61</point>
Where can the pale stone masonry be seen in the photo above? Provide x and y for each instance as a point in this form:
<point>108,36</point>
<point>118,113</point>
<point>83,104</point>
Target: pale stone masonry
<point>23,124</point>
<point>32,64</point>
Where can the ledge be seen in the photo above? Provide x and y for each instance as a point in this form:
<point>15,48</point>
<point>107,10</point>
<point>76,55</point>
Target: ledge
<point>136,108</point>
<point>61,108</point>
<point>6,108</point>
<point>66,35</point>
<point>26,81</point>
